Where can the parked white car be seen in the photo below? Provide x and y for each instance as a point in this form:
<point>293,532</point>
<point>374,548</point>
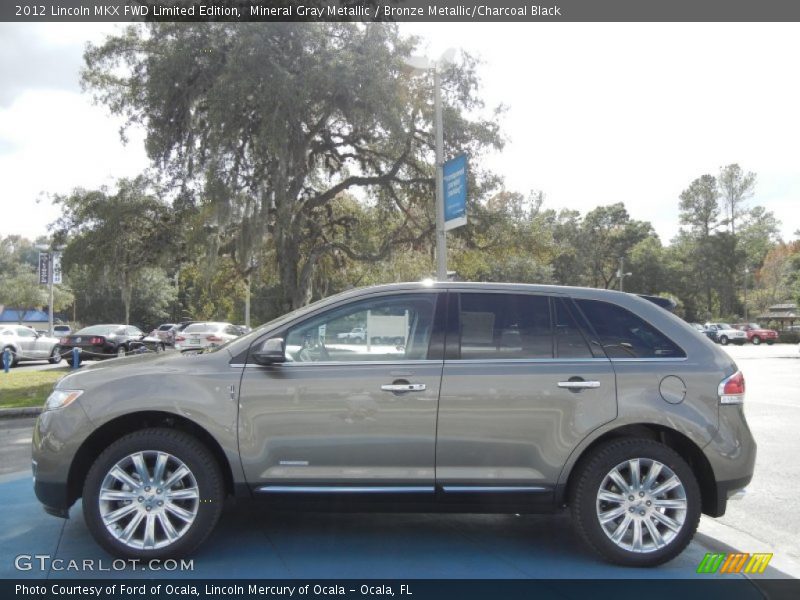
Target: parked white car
<point>206,334</point>
<point>727,334</point>
<point>25,343</point>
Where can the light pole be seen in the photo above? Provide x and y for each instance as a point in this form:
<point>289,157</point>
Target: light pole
<point>746,273</point>
<point>420,63</point>
<point>621,272</point>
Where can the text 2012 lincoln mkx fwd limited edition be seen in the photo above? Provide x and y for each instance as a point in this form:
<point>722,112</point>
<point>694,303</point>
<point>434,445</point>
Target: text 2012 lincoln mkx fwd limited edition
<point>503,398</point>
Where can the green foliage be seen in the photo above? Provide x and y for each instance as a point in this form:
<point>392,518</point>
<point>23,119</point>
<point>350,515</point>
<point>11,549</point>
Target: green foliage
<point>266,124</point>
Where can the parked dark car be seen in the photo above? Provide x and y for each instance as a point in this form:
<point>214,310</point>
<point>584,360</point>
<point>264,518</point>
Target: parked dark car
<point>709,333</point>
<point>109,341</point>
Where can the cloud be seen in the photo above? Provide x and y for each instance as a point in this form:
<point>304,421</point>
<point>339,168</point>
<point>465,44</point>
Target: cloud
<point>31,61</point>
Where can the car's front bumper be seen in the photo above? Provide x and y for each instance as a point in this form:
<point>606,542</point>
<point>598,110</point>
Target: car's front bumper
<point>57,436</point>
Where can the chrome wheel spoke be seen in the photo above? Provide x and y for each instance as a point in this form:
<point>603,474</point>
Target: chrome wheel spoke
<point>607,496</point>
<point>669,484</point>
<point>116,515</point>
<point>672,524</point>
<point>637,535</point>
<point>617,477</point>
<point>176,476</point>
<point>652,475</point>
<point>158,470</point>
<point>179,512</point>
<point>117,495</point>
<point>611,514</point>
<point>120,475</point>
<point>636,473</point>
<point>150,531</point>
<point>184,494</point>
<point>131,528</point>
<point>141,467</point>
<point>169,529</point>
<point>619,532</point>
<point>678,503</point>
<point>652,529</point>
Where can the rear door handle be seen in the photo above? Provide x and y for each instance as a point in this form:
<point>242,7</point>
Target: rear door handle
<point>404,387</point>
<point>578,385</point>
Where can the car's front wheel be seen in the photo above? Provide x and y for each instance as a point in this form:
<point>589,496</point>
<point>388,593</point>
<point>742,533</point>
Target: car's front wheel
<point>55,355</point>
<point>155,493</point>
<point>636,502</point>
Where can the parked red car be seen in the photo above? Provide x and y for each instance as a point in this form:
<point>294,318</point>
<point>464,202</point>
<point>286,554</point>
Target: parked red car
<point>757,334</point>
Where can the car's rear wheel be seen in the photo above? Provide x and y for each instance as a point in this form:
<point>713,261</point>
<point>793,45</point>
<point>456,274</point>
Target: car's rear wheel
<point>55,355</point>
<point>723,339</point>
<point>121,351</point>
<point>154,493</point>
<point>756,340</point>
<point>636,502</point>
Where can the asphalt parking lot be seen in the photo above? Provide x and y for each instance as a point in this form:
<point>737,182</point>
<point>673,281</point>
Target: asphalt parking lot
<point>254,542</point>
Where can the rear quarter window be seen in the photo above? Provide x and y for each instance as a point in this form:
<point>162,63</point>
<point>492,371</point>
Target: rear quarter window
<point>623,334</point>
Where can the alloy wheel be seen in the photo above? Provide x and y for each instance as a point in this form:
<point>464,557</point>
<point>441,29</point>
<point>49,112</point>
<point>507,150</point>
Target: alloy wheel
<point>641,505</point>
<point>149,500</point>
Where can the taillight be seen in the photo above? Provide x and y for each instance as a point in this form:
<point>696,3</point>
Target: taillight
<point>63,341</point>
<point>213,338</point>
<point>97,341</point>
<point>731,389</point>
<point>180,338</point>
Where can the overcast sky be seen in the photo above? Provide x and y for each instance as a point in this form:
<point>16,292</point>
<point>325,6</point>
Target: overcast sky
<point>597,113</point>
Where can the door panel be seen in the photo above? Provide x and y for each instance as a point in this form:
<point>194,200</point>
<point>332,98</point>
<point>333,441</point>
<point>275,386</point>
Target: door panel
<point>521,388</point>
<point>326,417</point>
<point>509,423</point>
<point>333,424</point>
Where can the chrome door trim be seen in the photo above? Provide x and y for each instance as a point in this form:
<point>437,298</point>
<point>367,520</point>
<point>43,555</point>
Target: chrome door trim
<point>359,363</point>
<point>404,387</point>
<point>579,385</point>
<point>496,488</point>
<point>343,489</point>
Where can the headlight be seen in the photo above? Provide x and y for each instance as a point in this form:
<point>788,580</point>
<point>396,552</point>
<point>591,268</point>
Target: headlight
<point>61,398</point>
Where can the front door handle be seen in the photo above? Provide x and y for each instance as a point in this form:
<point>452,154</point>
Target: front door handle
<point>578,385</point>
<point>404,387</point>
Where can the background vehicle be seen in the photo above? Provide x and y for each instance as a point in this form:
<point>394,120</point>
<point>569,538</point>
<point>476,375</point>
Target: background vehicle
<point>165,333</point>
<point>503,398</point>
<point>198,336</point>
<point>725,334</point>
<point>61,330</point>
<point>757,334</point>
<point>108,341</point>
<point>25,344</point>
<point>357,334</point>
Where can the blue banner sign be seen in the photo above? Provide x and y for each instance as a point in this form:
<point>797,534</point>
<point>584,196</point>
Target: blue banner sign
<point>454,175</point>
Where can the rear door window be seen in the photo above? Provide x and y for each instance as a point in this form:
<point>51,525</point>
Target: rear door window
<point>504,326</point>
<point>569,341</point>
<point>625,335</point>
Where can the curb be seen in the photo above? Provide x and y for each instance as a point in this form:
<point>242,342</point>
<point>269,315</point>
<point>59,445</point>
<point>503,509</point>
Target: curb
<point>16,413</point>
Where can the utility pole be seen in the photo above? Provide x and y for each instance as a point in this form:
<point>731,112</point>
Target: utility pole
<point>621,274</point>
<point>746,273</point>
<point>441,240</point>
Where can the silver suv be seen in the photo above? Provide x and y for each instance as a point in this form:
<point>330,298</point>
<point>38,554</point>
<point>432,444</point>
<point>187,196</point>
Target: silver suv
<point>493,398</point>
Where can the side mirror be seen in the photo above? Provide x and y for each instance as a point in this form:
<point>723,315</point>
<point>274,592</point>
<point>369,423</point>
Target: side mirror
<point>271,352</point>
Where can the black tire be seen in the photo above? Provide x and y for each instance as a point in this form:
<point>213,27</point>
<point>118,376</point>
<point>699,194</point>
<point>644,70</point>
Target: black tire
<point>590,474</point>
<point>723,339</point>
<point>195,456</point>
<point>122,352</point>
<point>770,342</point>
<point>55,356</point>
